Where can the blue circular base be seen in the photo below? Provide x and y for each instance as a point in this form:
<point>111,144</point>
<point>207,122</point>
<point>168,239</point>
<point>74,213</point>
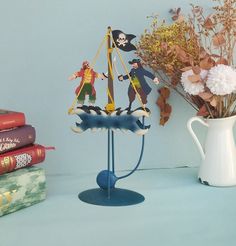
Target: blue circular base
<point>118,197</point>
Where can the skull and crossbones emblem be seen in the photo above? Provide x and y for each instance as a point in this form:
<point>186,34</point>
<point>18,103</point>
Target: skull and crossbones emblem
<point>122,41</point>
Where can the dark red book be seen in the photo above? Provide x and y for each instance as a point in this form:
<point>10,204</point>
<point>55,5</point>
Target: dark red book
<point>23,157</point>
<point>10,119</point>
<point>15,138</point>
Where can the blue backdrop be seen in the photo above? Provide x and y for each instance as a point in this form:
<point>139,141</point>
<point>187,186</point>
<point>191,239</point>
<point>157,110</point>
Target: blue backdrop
<point>43,42</point>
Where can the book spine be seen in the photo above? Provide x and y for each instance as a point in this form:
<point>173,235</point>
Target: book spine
<point>9,119</point>
<point>23,157</point>
<point>15,138</point>
<point>17,190</point>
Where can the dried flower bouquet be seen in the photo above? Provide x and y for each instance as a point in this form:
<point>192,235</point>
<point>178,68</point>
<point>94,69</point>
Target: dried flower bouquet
<point>195,57</point>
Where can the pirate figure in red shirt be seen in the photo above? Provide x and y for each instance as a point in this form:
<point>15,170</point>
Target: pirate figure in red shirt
<point>86,86</point>
<point>137,74</point>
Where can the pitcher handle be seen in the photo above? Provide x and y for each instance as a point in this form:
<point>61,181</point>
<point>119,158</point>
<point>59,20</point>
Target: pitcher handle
<point>189,125</point>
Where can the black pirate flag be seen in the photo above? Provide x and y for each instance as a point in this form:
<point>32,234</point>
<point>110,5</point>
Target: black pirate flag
<point>122,40</point>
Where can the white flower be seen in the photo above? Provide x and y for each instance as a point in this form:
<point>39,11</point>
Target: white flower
<point>221,80</point>
<point>190,87</point>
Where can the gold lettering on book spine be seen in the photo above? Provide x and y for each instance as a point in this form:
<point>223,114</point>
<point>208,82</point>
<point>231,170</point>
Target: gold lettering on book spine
<point>39,152</point>
<point>6,199</point>
<point>6,162</point>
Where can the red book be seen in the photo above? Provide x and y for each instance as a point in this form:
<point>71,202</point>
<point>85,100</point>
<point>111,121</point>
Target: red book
<point>15,138</point>
<point>9,119</point>
<point>23,157</point>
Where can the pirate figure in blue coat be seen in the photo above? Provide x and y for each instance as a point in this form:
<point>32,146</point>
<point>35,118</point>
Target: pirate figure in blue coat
<point>137,74</point>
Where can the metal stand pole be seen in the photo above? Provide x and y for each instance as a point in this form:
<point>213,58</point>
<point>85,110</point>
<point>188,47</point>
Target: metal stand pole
<point>108,164</point>
<point>113,151</point>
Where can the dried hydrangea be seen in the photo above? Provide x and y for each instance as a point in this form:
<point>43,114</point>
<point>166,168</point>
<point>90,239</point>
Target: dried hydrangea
<point>221,80</point>
<point>193,88</point>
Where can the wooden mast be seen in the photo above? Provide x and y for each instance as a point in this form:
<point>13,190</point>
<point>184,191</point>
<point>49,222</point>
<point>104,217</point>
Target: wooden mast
<point>110,107</point>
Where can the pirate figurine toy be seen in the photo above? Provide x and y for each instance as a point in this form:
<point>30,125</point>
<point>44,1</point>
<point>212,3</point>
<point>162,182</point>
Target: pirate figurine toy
<point>137,74</point>
<point>86,86</point>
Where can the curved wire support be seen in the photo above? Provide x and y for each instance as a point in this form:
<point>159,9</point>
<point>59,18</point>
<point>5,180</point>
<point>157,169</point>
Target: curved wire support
<point>137,165</point>
<point>139,161</point>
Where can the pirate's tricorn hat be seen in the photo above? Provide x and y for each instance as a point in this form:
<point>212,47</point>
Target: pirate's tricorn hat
<point>134,61</point>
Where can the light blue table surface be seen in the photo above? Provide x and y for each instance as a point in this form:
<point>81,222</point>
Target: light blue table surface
<point>177,211</point>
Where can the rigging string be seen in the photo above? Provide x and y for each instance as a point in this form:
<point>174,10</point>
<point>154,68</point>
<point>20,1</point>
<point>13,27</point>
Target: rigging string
<point>110,70</point>
<point>99,50</point>
<point>127,72</point>
<point>92,65</point>
<point>109,95</point>
<point>110,67</point>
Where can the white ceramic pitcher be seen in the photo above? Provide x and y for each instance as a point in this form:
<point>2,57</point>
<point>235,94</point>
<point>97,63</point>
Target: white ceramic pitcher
<point>218,166</point>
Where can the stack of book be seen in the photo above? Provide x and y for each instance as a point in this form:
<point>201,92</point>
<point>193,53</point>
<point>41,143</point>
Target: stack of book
<point>21,185</point>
